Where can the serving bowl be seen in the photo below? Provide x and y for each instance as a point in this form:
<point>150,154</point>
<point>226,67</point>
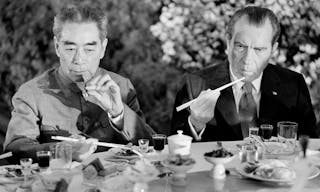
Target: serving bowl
<point>179,165</point>
<point>218,170</point>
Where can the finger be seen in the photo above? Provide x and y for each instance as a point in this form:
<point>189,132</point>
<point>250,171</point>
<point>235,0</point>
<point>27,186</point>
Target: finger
<point>110,86</point>
<point>103,80</point>
<point>93,81</point>
<point>95,94</point>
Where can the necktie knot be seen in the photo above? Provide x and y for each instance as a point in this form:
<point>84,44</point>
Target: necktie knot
<point>247,87</point>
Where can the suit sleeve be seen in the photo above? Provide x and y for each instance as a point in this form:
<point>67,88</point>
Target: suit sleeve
<point>23,128</point>
<point>190,90</point>
<point>307,125</point>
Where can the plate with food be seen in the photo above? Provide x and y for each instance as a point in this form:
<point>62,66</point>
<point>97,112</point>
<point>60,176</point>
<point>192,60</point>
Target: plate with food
<point>12,173</point>
<point>272,171</point>
<point>123,153</point>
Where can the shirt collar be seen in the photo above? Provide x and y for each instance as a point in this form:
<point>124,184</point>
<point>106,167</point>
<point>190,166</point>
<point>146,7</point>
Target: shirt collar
<point>66,84</point>
<point>256,83</point>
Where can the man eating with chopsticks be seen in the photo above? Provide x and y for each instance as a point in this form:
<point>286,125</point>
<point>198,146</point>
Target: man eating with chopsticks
<point>268,94</point>
<point>77,97</point>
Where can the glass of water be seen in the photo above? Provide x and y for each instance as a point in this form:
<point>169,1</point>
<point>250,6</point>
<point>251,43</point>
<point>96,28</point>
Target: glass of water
<point>287,133</point>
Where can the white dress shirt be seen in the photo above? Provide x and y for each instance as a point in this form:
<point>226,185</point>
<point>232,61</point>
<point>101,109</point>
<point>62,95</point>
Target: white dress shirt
<point>237,93</point>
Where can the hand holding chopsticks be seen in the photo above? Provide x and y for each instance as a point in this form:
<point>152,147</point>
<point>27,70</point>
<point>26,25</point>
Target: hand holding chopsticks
<point>185,105</point>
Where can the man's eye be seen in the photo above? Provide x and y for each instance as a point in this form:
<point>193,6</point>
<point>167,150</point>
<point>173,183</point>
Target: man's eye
<point>240,47</point>
<point>70,49</point>
<point>89,50</point>
<point>259,49</point>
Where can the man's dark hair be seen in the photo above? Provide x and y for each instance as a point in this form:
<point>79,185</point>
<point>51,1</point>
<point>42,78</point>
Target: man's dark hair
<point>80,13</point>
<point>256,16</point>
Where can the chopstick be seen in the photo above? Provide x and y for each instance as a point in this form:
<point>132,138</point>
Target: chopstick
<point>103,144</point>
<point>187,104</point>
<point>6,155</point>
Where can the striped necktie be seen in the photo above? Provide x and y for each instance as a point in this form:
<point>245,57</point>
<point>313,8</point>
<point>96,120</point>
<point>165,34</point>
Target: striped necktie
<point>247,109</point>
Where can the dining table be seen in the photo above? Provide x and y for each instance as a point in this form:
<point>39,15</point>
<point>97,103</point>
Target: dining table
<point>199,177</point>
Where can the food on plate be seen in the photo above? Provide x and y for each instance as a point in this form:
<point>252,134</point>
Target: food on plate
<point>15,171</point>
<point>180,160</point>
<point>125,152</point>
<point>276,148</point>
<point>220,153</point>
<point>271,169</point>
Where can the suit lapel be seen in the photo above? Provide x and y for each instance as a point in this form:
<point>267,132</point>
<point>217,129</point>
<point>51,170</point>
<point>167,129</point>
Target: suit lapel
<point>271,104</point>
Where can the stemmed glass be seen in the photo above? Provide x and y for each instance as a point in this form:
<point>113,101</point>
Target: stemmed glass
<point>26,169</point>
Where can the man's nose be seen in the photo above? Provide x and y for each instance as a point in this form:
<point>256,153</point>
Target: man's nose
<point>248,57</point>
<point>78,57</point>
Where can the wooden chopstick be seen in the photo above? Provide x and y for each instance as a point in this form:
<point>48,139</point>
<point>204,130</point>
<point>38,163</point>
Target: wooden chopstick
<point>103,144</point>
<point>6,155</point>
<point>187,104</point>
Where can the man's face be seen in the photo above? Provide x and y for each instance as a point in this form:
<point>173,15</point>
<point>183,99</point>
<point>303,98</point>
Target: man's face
<point>250,48</point>
<point>79,49</point>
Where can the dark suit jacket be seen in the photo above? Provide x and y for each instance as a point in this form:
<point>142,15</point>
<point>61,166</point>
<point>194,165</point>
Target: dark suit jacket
<point>284,97</point>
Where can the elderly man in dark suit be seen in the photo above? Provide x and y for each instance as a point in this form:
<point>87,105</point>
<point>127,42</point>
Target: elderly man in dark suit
<point>268,94</point>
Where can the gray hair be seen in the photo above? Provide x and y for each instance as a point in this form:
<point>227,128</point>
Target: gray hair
<point>256,16</point>
<point>80,14</point>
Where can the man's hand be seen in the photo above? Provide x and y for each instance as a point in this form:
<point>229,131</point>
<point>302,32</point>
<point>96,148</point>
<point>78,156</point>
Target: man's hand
<point>202,109</point>
<point>103,91</point>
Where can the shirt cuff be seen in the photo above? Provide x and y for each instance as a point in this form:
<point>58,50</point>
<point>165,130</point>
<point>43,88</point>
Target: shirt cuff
<point>197,136</point>
<point>116,121</point>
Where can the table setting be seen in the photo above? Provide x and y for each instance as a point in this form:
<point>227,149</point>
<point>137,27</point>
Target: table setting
<point>258,163</point>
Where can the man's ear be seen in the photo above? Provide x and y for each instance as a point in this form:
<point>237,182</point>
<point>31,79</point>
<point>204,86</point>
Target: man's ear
<point>104,46</point>
<point>274,47</point>
<point>228,45</point>
<point>56,45</point>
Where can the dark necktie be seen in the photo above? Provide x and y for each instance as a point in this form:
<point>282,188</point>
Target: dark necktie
<point>247,109</point>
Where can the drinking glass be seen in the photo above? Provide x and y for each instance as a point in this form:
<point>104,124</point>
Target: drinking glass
<point>43,158</point>
<point>159,141</point>
<point>26,170</point>
<point>62,157</point>
<point>251,153</point>
<point>143,145</point>
<point>287,133</point>
<point>266,131</point>
<point>253,131</point>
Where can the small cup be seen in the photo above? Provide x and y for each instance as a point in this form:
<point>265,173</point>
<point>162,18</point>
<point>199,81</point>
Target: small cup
<point>249,153</point>
<point>44,158</point>
<point>143,145</point>
<point>266,131</point>
<point>159,141</point>
<point>253,131</point>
